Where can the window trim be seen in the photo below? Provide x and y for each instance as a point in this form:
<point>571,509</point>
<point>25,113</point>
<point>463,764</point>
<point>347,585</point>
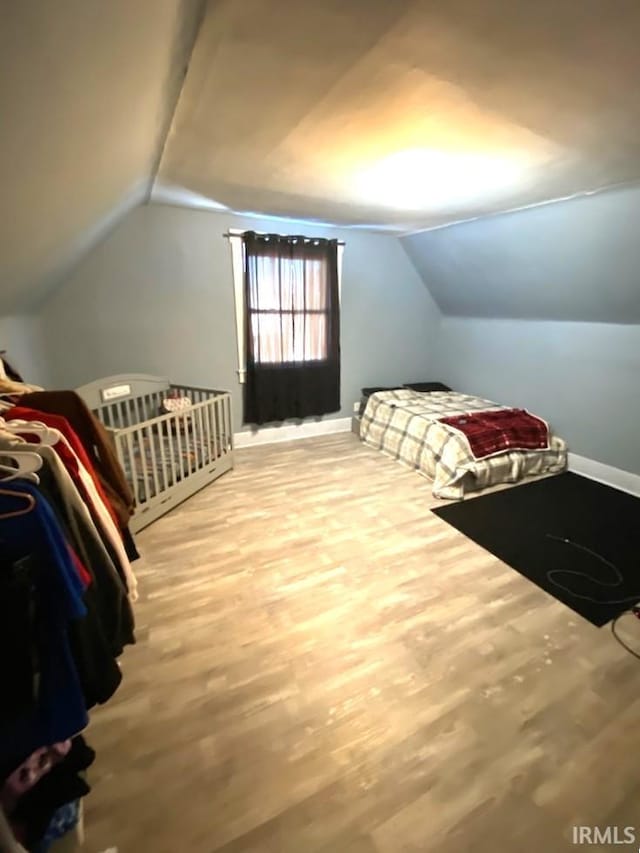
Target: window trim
<point>237,264</point>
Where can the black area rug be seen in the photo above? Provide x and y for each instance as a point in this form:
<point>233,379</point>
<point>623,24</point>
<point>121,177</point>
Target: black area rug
<point>524,526</point>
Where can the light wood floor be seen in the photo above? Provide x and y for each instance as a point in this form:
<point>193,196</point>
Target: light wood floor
<point>324,665</point>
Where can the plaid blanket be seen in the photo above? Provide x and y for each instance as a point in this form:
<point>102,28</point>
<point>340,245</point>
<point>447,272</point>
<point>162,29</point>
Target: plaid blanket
<point>489,433</point>
<point>407,426</point>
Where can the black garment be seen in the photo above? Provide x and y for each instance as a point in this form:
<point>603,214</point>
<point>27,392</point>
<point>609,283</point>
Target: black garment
<point>97,638</point>
<point>111,600</point>
<point>60,785</point>
<point>98,671</point>
<point>129,545</point>
<point>292,327</point>
<point>81,755</point>
<point>10,371</point>
<point>19,657</point>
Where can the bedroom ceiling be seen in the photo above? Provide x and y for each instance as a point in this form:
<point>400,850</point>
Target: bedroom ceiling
<point>393,115</point>
<point>577,261</point>
<point>87,90</point>
<point>406,114</point>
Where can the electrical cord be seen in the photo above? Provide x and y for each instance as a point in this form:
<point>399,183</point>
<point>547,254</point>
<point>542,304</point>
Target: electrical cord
<point>617,637</point>
<point>619,581</point>
<point>631,599</point>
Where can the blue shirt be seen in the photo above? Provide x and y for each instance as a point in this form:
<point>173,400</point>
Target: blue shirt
<point>59,709</point>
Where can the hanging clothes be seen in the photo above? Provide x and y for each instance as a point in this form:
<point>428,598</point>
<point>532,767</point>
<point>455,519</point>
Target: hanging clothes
<point>60,423</point>
<point>95,440</point>
<point>66,587</point>
<point>36,557</point>
<point>71,450</point>
<point>7,371</point>
<point>115,608</point>
<point>27,776</point>
<point>50,807</point>
<point>109,626</point>
<point>10,386</point>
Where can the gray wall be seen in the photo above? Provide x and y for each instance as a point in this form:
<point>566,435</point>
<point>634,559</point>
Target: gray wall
<point>156,296</point>
<point>582,377</point>
<point>542,268</point>
<point>577,260</point>
<point>20,336</point>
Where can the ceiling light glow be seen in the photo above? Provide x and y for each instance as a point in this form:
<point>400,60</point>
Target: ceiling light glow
<point>425,178</point>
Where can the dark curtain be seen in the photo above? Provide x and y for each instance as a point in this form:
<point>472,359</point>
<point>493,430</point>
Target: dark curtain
<point>292,327</point>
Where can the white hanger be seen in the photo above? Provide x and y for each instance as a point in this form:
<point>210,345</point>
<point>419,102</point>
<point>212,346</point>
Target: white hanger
<point>47,436</point>
<point>27,463</point>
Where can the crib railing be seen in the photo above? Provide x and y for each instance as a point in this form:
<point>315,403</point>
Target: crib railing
<point>168,457</point>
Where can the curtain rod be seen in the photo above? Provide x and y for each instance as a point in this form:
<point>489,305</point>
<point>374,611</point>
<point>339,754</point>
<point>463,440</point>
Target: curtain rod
<point>228,234</point>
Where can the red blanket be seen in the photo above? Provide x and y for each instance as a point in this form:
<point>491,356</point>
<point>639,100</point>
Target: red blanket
<point>489,433</point>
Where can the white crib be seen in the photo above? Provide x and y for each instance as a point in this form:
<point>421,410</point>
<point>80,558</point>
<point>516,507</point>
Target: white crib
<point>167,457</point>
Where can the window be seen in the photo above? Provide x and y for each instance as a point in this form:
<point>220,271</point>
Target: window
<point>290,322</point>
<point>288,316</point>
<point>288,310</point>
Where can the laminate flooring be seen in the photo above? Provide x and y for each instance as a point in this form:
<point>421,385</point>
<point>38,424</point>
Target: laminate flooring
<point>324,665</point>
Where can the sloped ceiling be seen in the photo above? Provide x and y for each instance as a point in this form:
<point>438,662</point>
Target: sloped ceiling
<point>391,114</point>
<point>577,260</point>
<point>87,89</point>
<point>409,113</point>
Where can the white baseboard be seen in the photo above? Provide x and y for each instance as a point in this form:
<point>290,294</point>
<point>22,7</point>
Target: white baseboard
<point>291,432</point>
<point>607,474</point>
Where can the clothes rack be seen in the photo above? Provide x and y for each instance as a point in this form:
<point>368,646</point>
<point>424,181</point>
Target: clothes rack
<point>66,615</point>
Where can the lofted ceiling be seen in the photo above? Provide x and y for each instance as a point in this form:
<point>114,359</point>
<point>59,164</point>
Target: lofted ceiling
<point>393,114</point>
<point>410,113</point>
<point>87,91</point>
<point>577,261</point>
